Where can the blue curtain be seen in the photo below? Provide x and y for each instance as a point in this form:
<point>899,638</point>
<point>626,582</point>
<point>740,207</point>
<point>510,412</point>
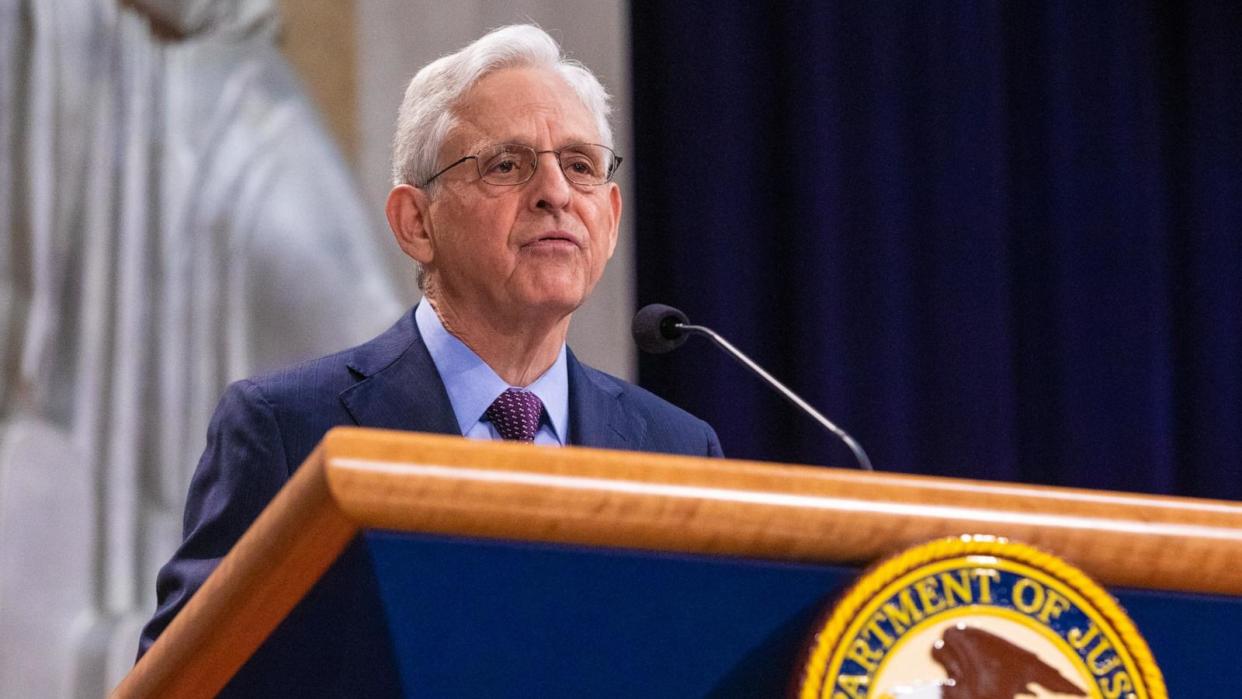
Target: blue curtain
<point>993,240</point>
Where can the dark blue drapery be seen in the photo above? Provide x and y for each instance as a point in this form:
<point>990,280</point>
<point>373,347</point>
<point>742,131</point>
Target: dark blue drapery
<point>990,240</point>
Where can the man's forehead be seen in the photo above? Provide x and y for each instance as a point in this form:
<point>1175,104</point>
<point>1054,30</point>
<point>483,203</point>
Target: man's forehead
<point>520,105</point>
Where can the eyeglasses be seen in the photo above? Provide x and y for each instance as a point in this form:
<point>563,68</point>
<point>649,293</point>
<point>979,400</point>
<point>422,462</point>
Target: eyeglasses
<point>508,164</point>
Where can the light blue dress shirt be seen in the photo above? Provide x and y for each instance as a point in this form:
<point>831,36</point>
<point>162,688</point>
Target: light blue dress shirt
<point>472,385</point>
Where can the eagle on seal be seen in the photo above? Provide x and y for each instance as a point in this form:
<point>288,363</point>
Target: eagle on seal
<point>982,665</point>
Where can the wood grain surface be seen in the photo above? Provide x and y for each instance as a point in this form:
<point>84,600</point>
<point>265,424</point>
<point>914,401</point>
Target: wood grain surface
<point>447,485</point>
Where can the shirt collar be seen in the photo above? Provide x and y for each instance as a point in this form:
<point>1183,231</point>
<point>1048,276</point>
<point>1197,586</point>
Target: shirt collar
<point>472,385</point>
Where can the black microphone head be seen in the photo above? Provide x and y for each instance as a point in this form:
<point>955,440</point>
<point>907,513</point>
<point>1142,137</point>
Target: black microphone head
<point>655,328</point>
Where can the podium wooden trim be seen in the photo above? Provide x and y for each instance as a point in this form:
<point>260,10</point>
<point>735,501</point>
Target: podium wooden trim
<point>361,479</point>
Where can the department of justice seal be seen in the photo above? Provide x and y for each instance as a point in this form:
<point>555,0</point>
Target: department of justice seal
<point>977,618</point>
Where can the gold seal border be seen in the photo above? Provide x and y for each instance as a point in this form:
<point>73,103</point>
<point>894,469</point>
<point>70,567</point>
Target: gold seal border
<point>898,565</point>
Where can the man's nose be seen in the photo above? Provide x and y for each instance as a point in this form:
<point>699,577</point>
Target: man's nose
<point>550,188</point>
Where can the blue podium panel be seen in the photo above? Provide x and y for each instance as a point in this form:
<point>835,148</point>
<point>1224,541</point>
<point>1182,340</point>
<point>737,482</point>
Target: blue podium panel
<point>413,615</point>
<point>484,619</point>
<point>1195,638</point>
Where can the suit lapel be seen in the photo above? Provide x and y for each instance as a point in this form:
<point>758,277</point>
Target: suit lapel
<point>400,388</point>
<point>596,416</point>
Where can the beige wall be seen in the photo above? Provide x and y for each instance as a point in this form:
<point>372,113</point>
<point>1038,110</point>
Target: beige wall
<point>319,38</point>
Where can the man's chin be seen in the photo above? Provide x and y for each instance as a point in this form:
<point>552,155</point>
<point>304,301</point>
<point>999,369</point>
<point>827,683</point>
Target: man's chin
<point>553,307</point>
<point>560,290</point>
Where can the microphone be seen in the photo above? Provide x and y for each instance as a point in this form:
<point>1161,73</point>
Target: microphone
<point>658,329</point>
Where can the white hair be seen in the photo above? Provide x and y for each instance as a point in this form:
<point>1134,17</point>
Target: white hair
<point>426,117</point>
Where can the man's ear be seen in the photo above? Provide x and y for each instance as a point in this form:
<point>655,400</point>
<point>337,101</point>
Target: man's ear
<point>614,201</point>
<point>407,210</point>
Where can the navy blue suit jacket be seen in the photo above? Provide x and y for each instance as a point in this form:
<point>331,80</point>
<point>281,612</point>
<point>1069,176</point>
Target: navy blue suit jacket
<point>265,427</point>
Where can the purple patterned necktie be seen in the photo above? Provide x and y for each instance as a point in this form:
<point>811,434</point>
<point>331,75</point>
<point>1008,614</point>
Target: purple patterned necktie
<point>516,414</point>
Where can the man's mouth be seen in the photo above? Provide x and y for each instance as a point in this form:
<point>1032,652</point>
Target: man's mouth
<point>554,239</point>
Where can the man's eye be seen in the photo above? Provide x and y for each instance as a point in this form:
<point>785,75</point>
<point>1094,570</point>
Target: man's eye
<point>504,165</point>
<point>580,165</point>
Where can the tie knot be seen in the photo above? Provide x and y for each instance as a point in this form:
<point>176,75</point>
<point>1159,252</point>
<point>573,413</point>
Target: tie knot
<point>516,414</point>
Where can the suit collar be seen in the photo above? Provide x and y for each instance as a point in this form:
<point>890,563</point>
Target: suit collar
<point>399,386</point>
<point>596,414</point>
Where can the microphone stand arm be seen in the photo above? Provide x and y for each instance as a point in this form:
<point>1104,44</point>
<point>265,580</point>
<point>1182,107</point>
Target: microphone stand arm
<point>859,454</point>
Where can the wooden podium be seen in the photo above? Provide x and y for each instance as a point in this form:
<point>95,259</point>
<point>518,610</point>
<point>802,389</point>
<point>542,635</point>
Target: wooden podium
<point>527,571</point>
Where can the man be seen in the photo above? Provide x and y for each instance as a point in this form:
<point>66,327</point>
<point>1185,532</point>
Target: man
<point>503,195</point>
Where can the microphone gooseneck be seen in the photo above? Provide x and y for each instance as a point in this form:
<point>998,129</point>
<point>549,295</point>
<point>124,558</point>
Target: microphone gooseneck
<point>658,329</point>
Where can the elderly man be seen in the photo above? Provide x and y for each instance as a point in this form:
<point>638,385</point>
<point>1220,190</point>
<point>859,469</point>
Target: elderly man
<point>504,197</point>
